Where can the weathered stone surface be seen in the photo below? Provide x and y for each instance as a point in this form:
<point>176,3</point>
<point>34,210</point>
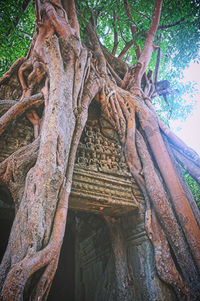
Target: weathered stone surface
<point>93,265</point>
<point>102,182</point>
<point>141,259</point>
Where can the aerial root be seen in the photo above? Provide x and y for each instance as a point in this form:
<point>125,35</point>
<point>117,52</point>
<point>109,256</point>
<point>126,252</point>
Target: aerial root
<point>35,121</point>
<point>114,113</point>
<point>18,109</point>
<point>32,262</point>
<point>81,66</point>
<point>104,108</point>
<point>122,120</point>
<point>164,263</point>
<point>168,221</point>
<point>46,279</point>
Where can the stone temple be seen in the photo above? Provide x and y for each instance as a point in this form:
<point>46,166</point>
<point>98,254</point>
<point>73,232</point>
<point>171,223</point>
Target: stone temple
<point>102,187</point>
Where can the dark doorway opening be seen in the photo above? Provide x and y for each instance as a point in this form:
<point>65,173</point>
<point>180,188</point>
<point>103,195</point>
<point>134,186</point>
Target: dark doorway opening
<point>6,218</point>
<point>5,226</point>
<point>63,286</point>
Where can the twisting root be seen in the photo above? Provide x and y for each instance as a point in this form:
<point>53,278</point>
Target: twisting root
<point>46,279</point>
<point>104,108</point>
<point>81,66</point>
<point>18,109</point>
<point>149,123</point>
<point>120,112</point>
<point>164,263</point>
<point>21,271</point>
<point>114,113</point>
<point>35,120</point>
<point>35,77</point>
<point>151,128</point>
<point>161,205</point>
<point>122,128</point>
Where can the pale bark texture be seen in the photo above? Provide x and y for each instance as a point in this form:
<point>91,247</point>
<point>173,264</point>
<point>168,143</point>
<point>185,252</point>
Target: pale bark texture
<point>58,80</point>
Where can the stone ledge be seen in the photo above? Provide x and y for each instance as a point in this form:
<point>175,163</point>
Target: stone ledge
<point>103,193</point>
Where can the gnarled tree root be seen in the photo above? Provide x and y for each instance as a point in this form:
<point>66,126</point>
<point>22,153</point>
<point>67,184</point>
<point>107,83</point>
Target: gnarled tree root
<point>20,272</point>
<point>18,109</point>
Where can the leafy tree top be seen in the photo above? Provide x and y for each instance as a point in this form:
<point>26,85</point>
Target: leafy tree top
<point>178,34</point>
<point>120,25</point>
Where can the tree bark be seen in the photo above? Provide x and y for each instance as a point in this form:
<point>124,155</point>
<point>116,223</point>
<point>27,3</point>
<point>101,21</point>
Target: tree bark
<point>66,76</point>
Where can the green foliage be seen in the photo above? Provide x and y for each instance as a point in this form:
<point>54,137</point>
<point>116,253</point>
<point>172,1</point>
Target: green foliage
<point>178,34</point>
<point>178,37</point>
<point>179,43</point>
<point>15,39</point>
<point>194,187</point>
<point>180,102</point>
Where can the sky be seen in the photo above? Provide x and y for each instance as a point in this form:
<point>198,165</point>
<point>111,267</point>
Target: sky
<point>189,130</point>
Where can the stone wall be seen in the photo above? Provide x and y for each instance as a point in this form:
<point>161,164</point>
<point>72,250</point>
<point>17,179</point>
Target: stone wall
<point>94,264</point>
<point>102,185</point>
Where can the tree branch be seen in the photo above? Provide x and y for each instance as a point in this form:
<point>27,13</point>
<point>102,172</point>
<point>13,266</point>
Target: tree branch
<point>120,30</point>
<point>115,34</point>
<point>158,60</point>
<point>125,49</point>
<point>26,34</point>
<point>97,48</point>
<point>119,81</point>
<point>149,45</point>
<point>140,13</point>
<point>18,109</point>
<point>161,27</point>
<point>128,13</point>
<point>138,51</point>
<point>69,6</point>
<point>174,140</point>
<point>119,66</point>
<point>188,165</point>
<point>25,5</point>
<point>15,66</point>
<point>182,180</point>
<point>179,144</point>
<point>122,35</point>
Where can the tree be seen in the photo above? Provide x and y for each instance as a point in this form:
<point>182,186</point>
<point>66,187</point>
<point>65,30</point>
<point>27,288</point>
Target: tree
<point>65,74</point>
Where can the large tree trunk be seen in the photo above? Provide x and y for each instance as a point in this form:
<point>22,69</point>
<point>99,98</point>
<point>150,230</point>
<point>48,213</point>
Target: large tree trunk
<point>67,76</point>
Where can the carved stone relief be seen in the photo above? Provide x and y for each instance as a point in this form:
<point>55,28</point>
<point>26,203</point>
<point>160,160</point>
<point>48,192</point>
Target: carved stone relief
<point>99,153</point>
<point>102,182</point>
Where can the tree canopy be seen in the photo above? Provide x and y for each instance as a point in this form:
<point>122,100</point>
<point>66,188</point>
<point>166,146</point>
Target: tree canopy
<point>121,26</point>
<point>178,34</point>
